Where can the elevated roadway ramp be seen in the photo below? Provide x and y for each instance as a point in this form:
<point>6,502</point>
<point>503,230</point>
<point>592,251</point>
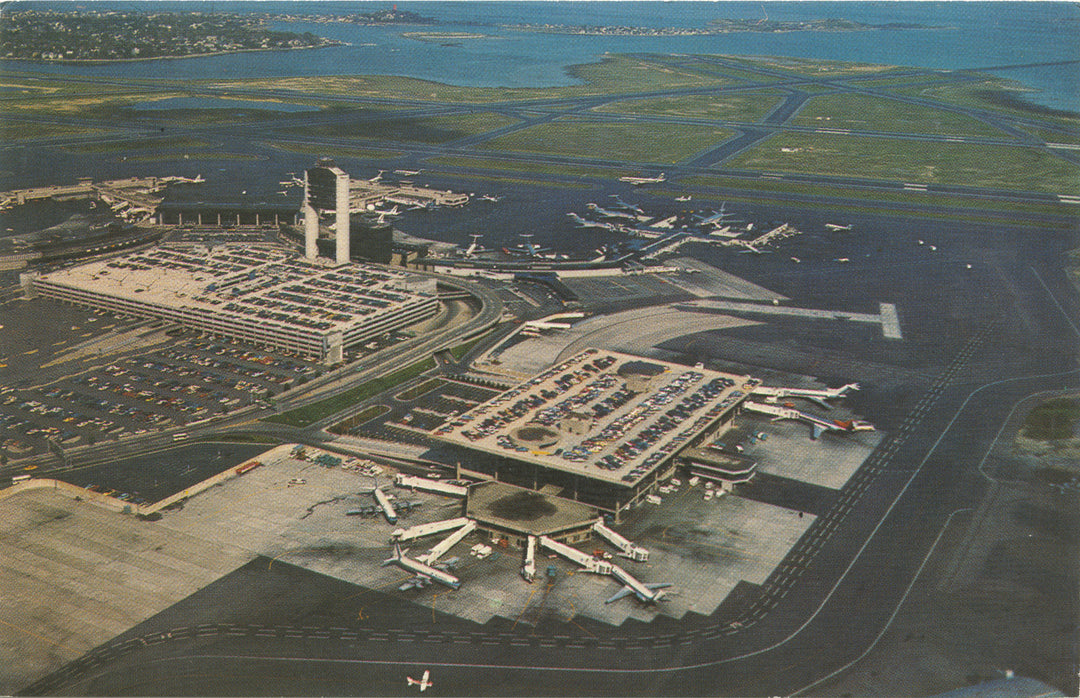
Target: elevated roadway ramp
<point>631,331</point>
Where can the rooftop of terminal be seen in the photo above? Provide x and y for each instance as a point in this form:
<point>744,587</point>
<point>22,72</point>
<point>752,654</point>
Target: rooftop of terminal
<point>601,414</point>
<point>266,285</point>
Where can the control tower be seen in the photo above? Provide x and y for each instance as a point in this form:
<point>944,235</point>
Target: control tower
<point>326,188</point>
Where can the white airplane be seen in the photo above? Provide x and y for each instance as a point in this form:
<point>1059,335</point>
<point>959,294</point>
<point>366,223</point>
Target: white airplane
<point>683,198</point>
<point>377,178</point>
<point>796,260</point>
<point>475,247</point>
<point>842,260</point>
<point>586,223</point>
<point>407,173</point>
<point>390,509</point>
<point>638,181</point>
<point>834,227</point>
<point>717,217</point>
<point>381,216</point>
<point>818,426</point>
<point>644,598</point>
<point>489,197</point>
<point>620,204</point>
<point>933,248</point>
<point>419,569</point>
<point>921,242</point>
<point>423,683</point>
<point>605,213</point>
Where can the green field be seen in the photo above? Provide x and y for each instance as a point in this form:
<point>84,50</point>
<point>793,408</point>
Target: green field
<point>922,162</point>
<point>370,124</point>
<point>365,415</point>
<point>631,142</point>
<point>418,390</point>
<point>611,75</point>
<point>135,145</point>
<point>812,67</point>
<point>1053,420</point>
<point>937,199</point>
<point>865,113</point>
<point>309,414</point>
<point>994,94</point>
<point>482,163</point>
<point>27,130</point>
<point>337,151</point>
<point>742,107</point>
<point>1051,136</point>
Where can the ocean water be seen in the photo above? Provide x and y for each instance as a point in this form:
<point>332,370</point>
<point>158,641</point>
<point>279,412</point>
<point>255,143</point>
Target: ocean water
<point>1015,40</point>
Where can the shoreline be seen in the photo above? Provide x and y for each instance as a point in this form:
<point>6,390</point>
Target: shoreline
<point>109,61</point>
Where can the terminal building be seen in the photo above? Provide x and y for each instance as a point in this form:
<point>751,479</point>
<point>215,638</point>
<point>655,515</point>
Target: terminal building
<point>262,295</point>
<point>601,428</point>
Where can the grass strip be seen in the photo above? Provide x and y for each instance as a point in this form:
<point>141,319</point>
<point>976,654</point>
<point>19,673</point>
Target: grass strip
<point>309,414</point>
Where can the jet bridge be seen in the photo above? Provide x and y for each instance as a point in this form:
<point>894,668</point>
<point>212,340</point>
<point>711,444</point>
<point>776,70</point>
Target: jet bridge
<point>429,485</point>
<point>528,570</point>
<point>626,547</point>
<point>428,529</point>
<point>588,562</point>
<point>442,547</point>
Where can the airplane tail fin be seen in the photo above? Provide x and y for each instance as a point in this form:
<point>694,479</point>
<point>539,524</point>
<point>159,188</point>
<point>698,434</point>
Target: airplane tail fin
<point>818,430</point>
<point>398,554</point>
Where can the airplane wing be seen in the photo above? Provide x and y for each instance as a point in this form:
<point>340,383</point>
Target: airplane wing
<point>621,593</point>
<point>817,400</point>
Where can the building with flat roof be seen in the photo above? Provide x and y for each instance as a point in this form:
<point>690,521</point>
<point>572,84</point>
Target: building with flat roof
<point>600,428</point>
<point>515,513</point>
<point>264,295</point>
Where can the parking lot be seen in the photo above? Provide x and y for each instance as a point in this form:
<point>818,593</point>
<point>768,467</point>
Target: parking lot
<point>410,417</point>
<point>154,378</point>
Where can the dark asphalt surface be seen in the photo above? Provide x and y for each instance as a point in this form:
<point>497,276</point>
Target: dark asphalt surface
<point>983,341</point>
<point>809,621</point>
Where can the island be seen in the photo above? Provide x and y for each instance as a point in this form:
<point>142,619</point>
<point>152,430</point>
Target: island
<point>716,26</point>
<point>102,35</point>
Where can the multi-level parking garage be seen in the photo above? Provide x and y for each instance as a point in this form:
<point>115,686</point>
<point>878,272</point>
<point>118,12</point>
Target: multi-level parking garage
<point>266,296</point>
<point>601,428</point>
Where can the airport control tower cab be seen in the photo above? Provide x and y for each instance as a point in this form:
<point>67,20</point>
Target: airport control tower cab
<point>326,188</point>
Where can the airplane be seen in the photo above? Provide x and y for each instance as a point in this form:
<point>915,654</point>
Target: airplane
<point>835,228</point>
<point>717,218</point>
<point>475,247</point>
<point>620,204</point>
<point>683,198</point>
<point>377,178</point>
<point>381,216</point>
<point>283,193</point>
<point>605,213</point>
<point>933,248</point>
<point>407,173</point>
<point>526,248</point>
<point>653,598</point>
<point>920,242</point>
<point>390,509</point>
<point>638,181</point>
<point>818,425</point>
<point>423,683</point>
<point>796,260</point>
<point>586,223</point>
<point>489,197</point>
<point>432,574</point>
<point>842,260</point>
